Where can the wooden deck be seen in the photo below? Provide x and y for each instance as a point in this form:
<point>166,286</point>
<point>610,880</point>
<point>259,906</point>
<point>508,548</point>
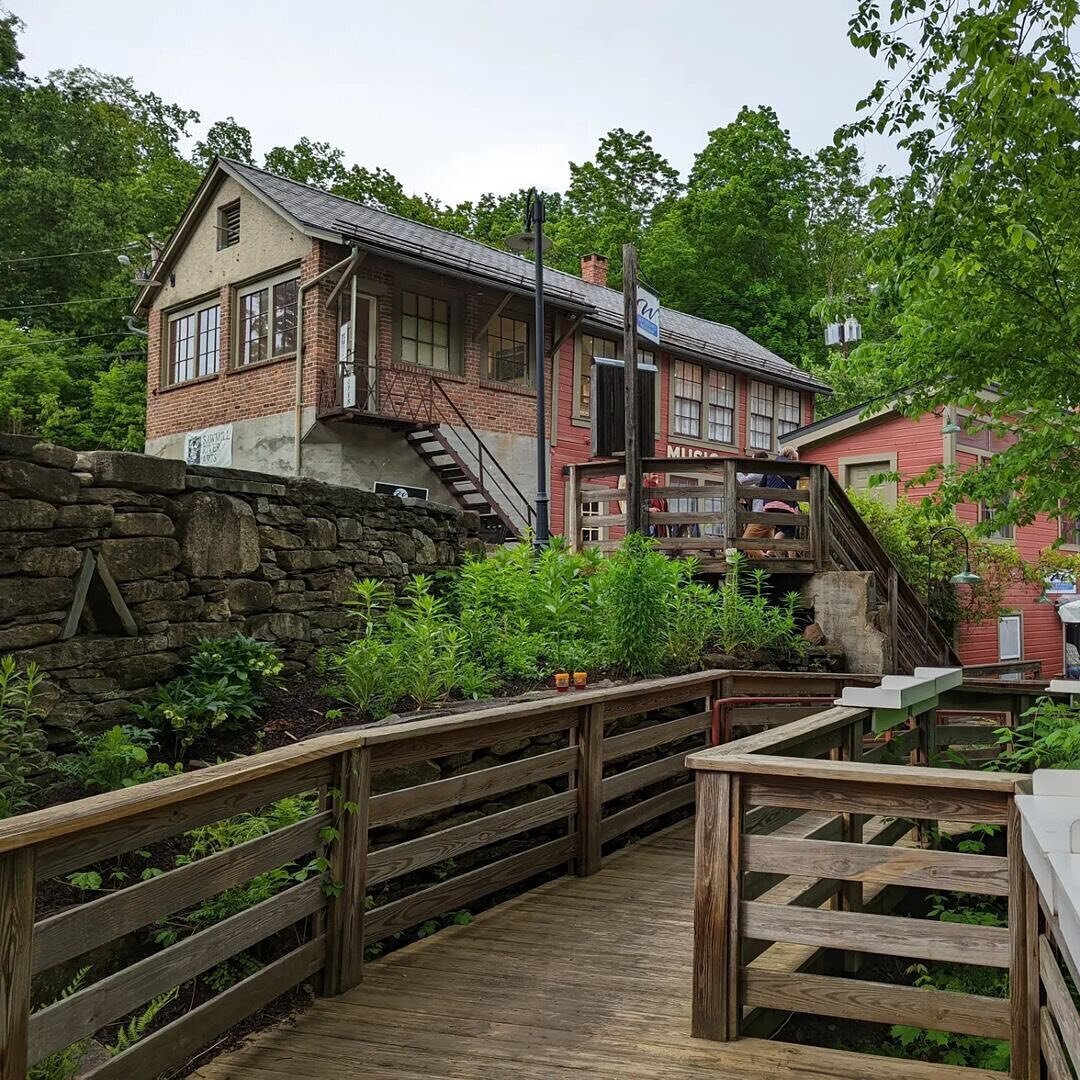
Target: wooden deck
<point>581,977</point>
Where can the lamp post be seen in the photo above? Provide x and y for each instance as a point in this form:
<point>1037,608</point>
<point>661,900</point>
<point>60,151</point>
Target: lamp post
<point>966,577</point>
<point>533,237</point>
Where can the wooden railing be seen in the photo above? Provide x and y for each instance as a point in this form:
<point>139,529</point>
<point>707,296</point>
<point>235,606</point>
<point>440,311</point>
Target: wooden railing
<point>584,769</point>
<point>739,783</point>
<point>718,516</point>
<point>1004,669</point>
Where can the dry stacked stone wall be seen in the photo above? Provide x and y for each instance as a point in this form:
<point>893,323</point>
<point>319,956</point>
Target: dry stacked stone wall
<point>192,552</point>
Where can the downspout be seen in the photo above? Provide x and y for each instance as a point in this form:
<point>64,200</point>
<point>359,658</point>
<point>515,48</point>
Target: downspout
<point>298,418</point>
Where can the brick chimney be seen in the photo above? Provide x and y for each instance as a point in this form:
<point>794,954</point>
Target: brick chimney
<point>594,269</point>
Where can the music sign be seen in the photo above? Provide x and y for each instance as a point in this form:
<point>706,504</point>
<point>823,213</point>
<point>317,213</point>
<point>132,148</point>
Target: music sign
<point>648,315</point>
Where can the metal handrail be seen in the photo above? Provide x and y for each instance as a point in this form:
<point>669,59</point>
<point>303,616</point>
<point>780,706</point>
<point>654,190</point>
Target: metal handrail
<point>483,448</point>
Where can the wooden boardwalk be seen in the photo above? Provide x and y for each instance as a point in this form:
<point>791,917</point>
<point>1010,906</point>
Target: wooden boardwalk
<point>581,977</point>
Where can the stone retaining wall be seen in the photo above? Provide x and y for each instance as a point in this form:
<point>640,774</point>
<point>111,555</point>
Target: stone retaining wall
<point>179,553</point>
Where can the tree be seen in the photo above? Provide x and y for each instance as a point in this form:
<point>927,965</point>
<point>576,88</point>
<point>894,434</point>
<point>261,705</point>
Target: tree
<point>224,138</point>
<point>979,245</point>
<point>307,162</point>
<point>611,200</point>
<point>734,249</point>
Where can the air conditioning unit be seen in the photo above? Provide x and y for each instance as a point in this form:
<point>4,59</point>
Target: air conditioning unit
<point>832,334</point>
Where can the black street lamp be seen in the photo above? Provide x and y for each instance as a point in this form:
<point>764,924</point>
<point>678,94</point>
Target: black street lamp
<point>966,577</point>
<point>533,237</point>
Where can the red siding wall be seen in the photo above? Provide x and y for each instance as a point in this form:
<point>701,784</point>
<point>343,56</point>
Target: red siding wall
<point>918,444</point>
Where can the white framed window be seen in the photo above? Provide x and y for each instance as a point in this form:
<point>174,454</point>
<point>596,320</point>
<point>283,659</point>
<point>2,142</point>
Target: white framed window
<point>591,534</point>
<point>506,352</point>
<point>774,411</point>
<point>194,344</point>
<point>1010,637</point>
<point>762,411</point>
<point>266,319</point>
<point>687,399</point>
<point>987,513</point>
<point>722,407</point>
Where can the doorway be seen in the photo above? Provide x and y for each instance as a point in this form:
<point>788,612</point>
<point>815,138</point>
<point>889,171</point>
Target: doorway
<point>357,340</point>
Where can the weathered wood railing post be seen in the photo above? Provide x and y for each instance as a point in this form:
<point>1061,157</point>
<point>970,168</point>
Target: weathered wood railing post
<point>590,789</point>
<point>16,936</point>
<point>1025,1056</point>
<point>573,527</point>
<point>717,866</point>
<point>731,500</point>
<point>348,874</point>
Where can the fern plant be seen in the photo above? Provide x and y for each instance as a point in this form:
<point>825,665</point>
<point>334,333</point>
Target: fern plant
<point>64,1064</point>
<point>129,1034</point>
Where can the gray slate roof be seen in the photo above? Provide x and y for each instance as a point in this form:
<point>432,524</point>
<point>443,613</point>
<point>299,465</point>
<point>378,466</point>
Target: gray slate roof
<point>318,211</point>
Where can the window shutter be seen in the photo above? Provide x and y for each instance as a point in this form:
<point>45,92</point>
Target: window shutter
<point>229,225</point>
<point>609,412</point>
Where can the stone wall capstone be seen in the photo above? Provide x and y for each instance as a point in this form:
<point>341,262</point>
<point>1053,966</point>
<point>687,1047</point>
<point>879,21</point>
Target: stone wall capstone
<point>194,552</point>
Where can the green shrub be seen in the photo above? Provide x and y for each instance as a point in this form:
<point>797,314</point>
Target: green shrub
<point>1049,738</point>
<point>220,690</point>
<point>116,758</point>
<point>748,621</point>
<point>24,760</point>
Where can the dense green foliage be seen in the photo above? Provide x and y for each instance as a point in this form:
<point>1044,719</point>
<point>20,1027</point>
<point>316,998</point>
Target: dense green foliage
<point>519,615</point>
<point>222,687</point>
<point>24,760</point>
<point>1048,738</point>
<point>977,248</point>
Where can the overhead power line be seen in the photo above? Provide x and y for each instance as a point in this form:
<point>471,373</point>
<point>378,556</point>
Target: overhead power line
<point>65,303</point>
<point>37,342</point>
<point>64,254</point>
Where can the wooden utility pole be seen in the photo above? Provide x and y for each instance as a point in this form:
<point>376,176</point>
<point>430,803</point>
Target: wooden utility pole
<point>635,512</point>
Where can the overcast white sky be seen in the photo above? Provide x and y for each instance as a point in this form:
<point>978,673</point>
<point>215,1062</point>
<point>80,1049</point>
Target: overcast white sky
<point>458,97</point>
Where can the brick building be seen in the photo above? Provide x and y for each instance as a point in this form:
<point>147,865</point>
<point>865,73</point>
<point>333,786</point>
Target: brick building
<point>295,332</point>
<point>856,445</point>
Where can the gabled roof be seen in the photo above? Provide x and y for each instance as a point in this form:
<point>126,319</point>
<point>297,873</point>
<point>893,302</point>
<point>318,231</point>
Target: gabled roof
<point>331,217</point>
<point>830,427</point>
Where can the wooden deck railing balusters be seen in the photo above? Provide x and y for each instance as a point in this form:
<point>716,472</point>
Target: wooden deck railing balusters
<point>590,789</point>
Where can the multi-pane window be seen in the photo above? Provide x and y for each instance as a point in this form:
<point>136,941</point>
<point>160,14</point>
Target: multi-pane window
<point>762,408</point>
<point>194,344</point>
<point>506,358</point>
<point>267,321</point>
<point>695,505</point>
<point>591,534</point>
<point>722,407</point>
<point>687,399</point>
<point>1010,637</point>
<point>788,409</point>
<point>1070,531</point>
<point>592,347</point>
<point>425,330</point>
<point>987,514</point>
<point>228,225</point>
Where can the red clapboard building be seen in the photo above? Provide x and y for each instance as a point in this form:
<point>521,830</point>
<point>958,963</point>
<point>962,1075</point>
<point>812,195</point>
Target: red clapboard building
<point>855,447</point>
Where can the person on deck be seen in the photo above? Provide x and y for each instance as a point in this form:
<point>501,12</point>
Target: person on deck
<point>1072,661</point>
<point>782,506</point>
<point>754,531</point>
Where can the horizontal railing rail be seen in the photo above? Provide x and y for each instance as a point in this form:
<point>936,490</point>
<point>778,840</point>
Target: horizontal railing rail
<point>401,824</point>
<point>1028,668</point>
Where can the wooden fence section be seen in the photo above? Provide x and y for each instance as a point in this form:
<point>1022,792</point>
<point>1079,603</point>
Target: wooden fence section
<point>711,511</point>
<point>739,783</point>
<point>1054,1011</point>
<point>586,769</point>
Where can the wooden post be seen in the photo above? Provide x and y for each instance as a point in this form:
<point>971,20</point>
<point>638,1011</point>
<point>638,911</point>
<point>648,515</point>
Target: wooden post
<point>574,509</point>
<point>348,868</point>
<point>635,501</point>
<point>712,907</point>
<point>894,620</point>
<point>731,500</point>
<point>734,945</point>
<point>1026,1052</point>
<point>851,832</point>
<point>590,800</point>
<point>16,935</point>
<point>821,524</point>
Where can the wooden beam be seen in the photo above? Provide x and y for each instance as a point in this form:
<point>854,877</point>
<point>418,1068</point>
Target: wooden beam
<point>590,772</point>
<point>575,322</point>
<point>16,936</point>
<point>78,602</point>
<point>493,316</point>
<point>346,276</point>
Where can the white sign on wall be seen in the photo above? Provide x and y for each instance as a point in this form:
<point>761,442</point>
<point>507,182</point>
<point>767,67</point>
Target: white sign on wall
<point>648,315</point>
<point>211,446</point>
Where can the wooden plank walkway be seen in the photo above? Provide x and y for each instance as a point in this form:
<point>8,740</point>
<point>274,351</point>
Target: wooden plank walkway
<point>581,977</point>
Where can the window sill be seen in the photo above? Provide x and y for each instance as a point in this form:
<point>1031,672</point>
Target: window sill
<point>1069,547</point>
<point>187,382</point>
<point>259,364</point>
<point>420,369</point>
<point>703,444</point>
<point>508,388</point>
<point>578,422</point>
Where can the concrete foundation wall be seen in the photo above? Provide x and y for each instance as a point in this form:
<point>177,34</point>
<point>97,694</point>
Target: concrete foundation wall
<point>848,609</point>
